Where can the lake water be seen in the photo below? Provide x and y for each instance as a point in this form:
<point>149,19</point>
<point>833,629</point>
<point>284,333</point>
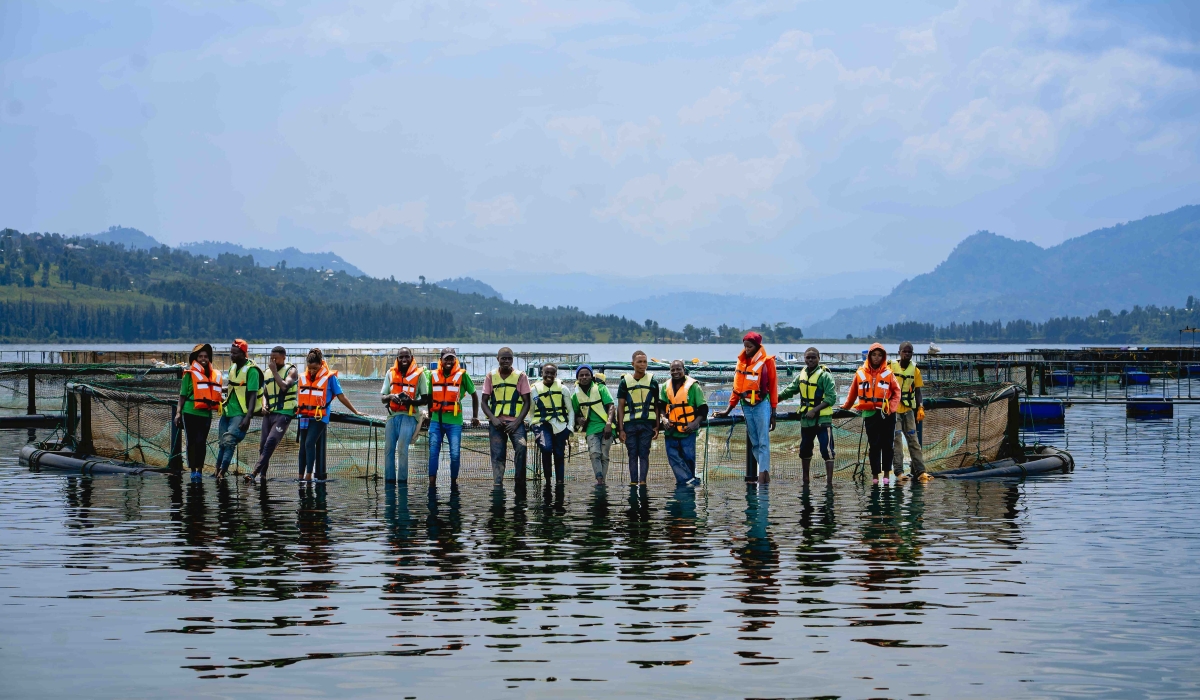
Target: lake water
<point>1067,586</point>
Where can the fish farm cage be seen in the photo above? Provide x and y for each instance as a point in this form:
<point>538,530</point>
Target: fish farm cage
<point>125,414</point>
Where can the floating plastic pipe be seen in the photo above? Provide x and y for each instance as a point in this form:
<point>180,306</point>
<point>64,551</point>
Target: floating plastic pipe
<point>65,461</point>
<point>37,420</point>
<point>1059,462</point>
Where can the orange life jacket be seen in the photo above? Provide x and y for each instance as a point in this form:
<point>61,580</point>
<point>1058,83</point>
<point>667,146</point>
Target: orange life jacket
<point>679,411</point>
<point>310,399</point>
<point>445,389</point>
<point>402,384</point>
<point>747,380</point>
<point>206,388</point>
<point>874,389</point>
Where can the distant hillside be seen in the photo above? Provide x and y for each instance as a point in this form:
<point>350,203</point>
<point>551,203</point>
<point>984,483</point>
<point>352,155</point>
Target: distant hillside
<point>291,256</point>
<point>131,238</point>
<point>470,285</point>
<point>680,309</point>
<point>134,239</point>
<point>58,288</point>
<point>1152,261</point>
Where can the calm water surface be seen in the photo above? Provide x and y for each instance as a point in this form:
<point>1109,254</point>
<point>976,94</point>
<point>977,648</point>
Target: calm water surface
<point>1079,585</point>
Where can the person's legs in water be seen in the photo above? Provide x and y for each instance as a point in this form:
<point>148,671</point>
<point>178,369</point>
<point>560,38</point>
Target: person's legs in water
<point>498,448</point>
<point>230,436</point>
<point>637,445</point>
<point>872,425</point>
<point>274,428</point>
<point>681,455</point>
<point>321,442</point>
<point>454,437</point>
<point>807,435</point>
<point>560,455</point>
<point>391,433</point>
<point>758,431</point>
<point>545,442</point>
<point>825,438</point>
<point>312,448</point>
<point>887,435</point>
<point>196,430</point>
<point>436,430</point>
<point>906,428</point>
<point>408,426</point>
<point>302,437</point>
<point>598,451</point>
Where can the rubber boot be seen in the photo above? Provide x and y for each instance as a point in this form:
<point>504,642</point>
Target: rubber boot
<point>829,472</point>
<point>804,469</point>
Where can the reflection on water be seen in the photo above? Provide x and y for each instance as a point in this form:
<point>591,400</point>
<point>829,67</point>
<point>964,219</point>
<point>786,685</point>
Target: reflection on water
<point>1074,585</point>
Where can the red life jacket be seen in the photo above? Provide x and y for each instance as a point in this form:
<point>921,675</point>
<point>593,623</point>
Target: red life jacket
<point>446,390</point>
<point>206,387</point>
<point>404,384</point>
<point>747,380</point>
<point>310,398</point>
<point>874,389</point>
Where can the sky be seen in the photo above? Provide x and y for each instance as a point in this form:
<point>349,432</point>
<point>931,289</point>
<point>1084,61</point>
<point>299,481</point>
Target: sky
<point>778,137</point>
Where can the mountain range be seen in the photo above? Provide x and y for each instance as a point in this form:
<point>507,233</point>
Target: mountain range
<point>134,239</point>
<point>1155,260</point>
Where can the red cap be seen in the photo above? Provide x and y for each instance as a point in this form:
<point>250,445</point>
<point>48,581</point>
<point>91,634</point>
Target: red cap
<point>752,336</point>
<point>241,345</point>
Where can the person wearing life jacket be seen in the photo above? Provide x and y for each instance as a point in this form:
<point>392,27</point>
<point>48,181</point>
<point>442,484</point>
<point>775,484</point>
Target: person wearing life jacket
<point>754,387</point>
<point>593,408</point>
<point>199,396</point>
<point>875,394</point>
<point>818,395</point>
<point>637,416</point>
<point>447,384</point>
<point>404,385</point>
<point>553,420</point>
<point>505,404</point>
<point>244,382</point>
<point>910,413</point>
<point>315,391</point>
<point>279,398</point>
<point>683,409</point>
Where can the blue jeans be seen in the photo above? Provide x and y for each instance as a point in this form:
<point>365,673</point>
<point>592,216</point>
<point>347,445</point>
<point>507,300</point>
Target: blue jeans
<point>638,437</point>
<point>553,447</point>
<point>399,431</point>
<point>453,433</point>
<point>758,432</point>
<point>229,434</point>
<point>681,455</point>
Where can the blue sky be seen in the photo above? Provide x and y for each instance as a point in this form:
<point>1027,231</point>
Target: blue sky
<point>456,137</point>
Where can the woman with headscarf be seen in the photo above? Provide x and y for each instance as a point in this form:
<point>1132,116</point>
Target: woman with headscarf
<point>875,394</point>
<point>317,387</point>
<point>199,396</point>
<point>755,388</point>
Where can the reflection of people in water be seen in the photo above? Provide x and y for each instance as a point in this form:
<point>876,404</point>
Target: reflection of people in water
<point>815,555</point>
<point>550,525</point>
<point>444,531</point>
<point>312,524</point>
<point>891,535</point>
<point>197,556</point>
<point>759,560</point>
<point>593,545</point>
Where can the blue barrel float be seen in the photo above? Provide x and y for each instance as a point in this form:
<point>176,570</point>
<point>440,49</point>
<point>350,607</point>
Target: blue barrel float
<point>1149,406</point>
<point>1134,376</point>
<point>1043,410</point>
<point>1061,377</point>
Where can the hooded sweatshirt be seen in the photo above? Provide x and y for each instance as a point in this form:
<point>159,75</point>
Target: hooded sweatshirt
<point>881,375</point>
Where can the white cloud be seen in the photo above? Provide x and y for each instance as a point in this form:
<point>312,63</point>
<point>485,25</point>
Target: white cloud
<point>1024,135</point>
<point>411,215</point>
<point>917,42</point>
<point>589,132</point>
<point>500,211</point>
<point>692,193</point>
<point>714,104</point>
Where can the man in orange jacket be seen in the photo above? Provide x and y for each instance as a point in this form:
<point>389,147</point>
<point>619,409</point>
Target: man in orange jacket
<point>875,394</point>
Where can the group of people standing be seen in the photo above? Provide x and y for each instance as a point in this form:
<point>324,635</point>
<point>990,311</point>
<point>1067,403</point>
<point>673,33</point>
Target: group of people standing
<point>886,394</point>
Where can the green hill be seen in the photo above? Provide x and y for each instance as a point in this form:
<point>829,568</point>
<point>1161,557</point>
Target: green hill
<point>58,288</point>
<point>1152,261</point>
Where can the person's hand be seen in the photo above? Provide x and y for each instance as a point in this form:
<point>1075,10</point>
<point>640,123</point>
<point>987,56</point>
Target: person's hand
<point>654,434</point>
<point>245,423</point>
<point>810,413</point>
<point>623,436</point>
<point>920,414</point>
<point>387,399</point>
<point>358,412</point>
<point>692,427</point>
<point>608,431</point>
<point>179,418</point>
<point>511,427</point>
<point>475,423</point>
<point>495,422</point>
<point>721,414</point>
<point>772,423</point>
